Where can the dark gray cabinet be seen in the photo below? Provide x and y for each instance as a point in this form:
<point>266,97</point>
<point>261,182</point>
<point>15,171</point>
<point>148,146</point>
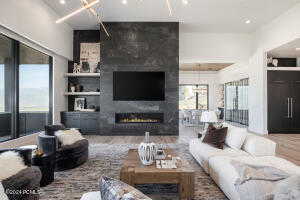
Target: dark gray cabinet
<point>283,101</point>
<point>88,122</point>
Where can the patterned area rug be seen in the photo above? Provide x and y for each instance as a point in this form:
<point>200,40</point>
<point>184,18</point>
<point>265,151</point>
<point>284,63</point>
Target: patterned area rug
<point>107,160</point>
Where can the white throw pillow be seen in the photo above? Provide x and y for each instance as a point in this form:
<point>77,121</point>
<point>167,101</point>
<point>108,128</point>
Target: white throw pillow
<point>68,137</point>
<point>235,137</point>
<point>10,164</point>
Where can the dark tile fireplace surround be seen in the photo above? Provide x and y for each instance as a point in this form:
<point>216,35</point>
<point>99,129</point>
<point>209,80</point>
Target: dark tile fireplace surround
<point>138,46</point>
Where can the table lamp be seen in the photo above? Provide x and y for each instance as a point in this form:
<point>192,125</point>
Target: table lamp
<point>209,118</point>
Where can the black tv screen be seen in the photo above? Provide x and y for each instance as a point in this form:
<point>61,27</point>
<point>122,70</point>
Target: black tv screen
<point>139,86</point>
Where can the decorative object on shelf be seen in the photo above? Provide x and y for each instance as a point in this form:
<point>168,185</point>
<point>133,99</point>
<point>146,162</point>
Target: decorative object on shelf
<point>209,118</point>
<point>85,67</point>
<point>78,88</point>
<point>71,87</point>
<point>275,62</point>
<point>97,69</point>
<point>76,68</point>
<point>79,104</point>
<point>147,151</point>
<point>90,52</point>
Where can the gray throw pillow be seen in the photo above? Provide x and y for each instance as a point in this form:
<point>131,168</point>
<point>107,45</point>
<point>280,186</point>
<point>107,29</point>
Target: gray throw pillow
<point>112,189</point>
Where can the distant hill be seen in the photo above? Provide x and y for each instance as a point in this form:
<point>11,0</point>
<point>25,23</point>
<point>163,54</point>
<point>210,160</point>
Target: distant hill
<point>31,99</point>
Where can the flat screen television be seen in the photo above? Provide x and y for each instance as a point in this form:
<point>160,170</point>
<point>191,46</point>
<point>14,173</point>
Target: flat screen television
<point>139,86</point>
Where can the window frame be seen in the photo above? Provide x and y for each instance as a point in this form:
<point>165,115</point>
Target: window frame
<point>197,94</point>
<point>14,89</point>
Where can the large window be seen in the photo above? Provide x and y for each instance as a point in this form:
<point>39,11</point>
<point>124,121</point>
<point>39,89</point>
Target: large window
<point>34,77</point>
<point>5,88</point>
<point>25,89</point>
<point>236,101</point>
<point>193,97</point>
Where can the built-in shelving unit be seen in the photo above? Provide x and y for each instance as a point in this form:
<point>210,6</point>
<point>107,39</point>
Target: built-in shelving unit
<point>82,93</point>
<point>82,74</point>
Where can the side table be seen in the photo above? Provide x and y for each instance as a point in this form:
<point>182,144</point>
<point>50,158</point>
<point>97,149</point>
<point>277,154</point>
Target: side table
<point>46,163</point>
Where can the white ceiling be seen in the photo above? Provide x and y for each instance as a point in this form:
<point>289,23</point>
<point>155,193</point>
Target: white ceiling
<point>197,16</point>
<point>287,50</point>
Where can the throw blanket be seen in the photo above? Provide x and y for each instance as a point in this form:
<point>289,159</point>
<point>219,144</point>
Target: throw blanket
<point>3,196</point>
<point>257,182</point>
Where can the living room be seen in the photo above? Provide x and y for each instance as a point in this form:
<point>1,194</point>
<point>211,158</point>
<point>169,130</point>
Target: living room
<point>159,100</point>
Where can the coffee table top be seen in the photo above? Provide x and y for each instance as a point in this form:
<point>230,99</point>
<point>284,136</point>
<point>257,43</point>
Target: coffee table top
<point>133,161</point>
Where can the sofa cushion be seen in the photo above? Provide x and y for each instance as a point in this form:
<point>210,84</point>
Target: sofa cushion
<point>112,189</point>
<point>259,146</point>
<point>216,137</point>
<point>91,196</point>
<point>10,163</point>
<point>225,175</point>
<point>203,152</point>
<point>68,137</point>
<point>235,136</point>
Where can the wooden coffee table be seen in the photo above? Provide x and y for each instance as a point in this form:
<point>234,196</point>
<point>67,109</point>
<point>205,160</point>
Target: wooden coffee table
<point>134,172</point>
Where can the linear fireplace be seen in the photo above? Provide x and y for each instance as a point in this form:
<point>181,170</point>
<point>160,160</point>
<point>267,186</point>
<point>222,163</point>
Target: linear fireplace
<point>124,118</point>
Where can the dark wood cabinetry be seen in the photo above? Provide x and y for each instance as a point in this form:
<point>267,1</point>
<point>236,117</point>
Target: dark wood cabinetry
<point>87,122</point>
<point>284,102</point>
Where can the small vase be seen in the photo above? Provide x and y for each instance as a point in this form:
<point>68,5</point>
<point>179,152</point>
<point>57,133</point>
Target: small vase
<point>147,151</point>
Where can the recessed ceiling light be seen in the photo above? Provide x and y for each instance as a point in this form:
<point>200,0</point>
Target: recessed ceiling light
<point>297,49</point>
<point>248,21</point>
<point>62,1</point>
<point>185,2</point>
<point>124,2</point>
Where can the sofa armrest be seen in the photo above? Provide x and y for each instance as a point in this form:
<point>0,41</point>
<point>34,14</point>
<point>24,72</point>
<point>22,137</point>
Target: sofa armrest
<point>25,154</point>
<point>259,146</point>
<point>48,144</point>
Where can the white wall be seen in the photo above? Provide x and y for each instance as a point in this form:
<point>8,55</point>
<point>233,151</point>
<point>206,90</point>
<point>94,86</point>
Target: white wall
<point>214,47</point>
<point>60,83</point>
<point>34,20</point>
<point>209,78</point>
<point>33,23</point>
<point>281,30</point>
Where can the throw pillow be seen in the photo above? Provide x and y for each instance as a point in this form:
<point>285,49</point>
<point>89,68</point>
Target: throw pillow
<point>10,164</point>
<point>235,137</point>
<point>216,137</point>
<point>112,189</point>
<point>68,137</point>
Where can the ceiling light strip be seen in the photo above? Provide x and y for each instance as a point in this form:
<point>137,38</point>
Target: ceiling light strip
<point>92,10</point>
<point>169,7</point>
<point>77,11</point>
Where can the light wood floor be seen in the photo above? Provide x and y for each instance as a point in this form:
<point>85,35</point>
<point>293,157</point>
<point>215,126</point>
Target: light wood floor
<point>288,146</point>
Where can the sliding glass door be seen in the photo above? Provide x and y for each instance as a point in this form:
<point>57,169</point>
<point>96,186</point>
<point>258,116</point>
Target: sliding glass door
<point>34,90</point>
<point>6,76</point>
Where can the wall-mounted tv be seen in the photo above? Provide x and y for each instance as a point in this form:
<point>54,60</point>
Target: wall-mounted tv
<point>139,86</point>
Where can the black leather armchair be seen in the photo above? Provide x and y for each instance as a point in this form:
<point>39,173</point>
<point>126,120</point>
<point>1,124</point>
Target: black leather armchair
<point>25,184</point>
<point>66,157</point>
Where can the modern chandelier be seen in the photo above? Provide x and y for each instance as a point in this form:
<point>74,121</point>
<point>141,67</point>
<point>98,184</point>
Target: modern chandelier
<point>86,5</point>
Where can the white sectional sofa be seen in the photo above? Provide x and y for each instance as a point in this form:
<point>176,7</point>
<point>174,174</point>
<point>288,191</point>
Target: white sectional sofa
<point>242,146</point>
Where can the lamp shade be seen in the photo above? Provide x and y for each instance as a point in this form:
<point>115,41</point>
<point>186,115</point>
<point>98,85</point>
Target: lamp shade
<point>209,117</point>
